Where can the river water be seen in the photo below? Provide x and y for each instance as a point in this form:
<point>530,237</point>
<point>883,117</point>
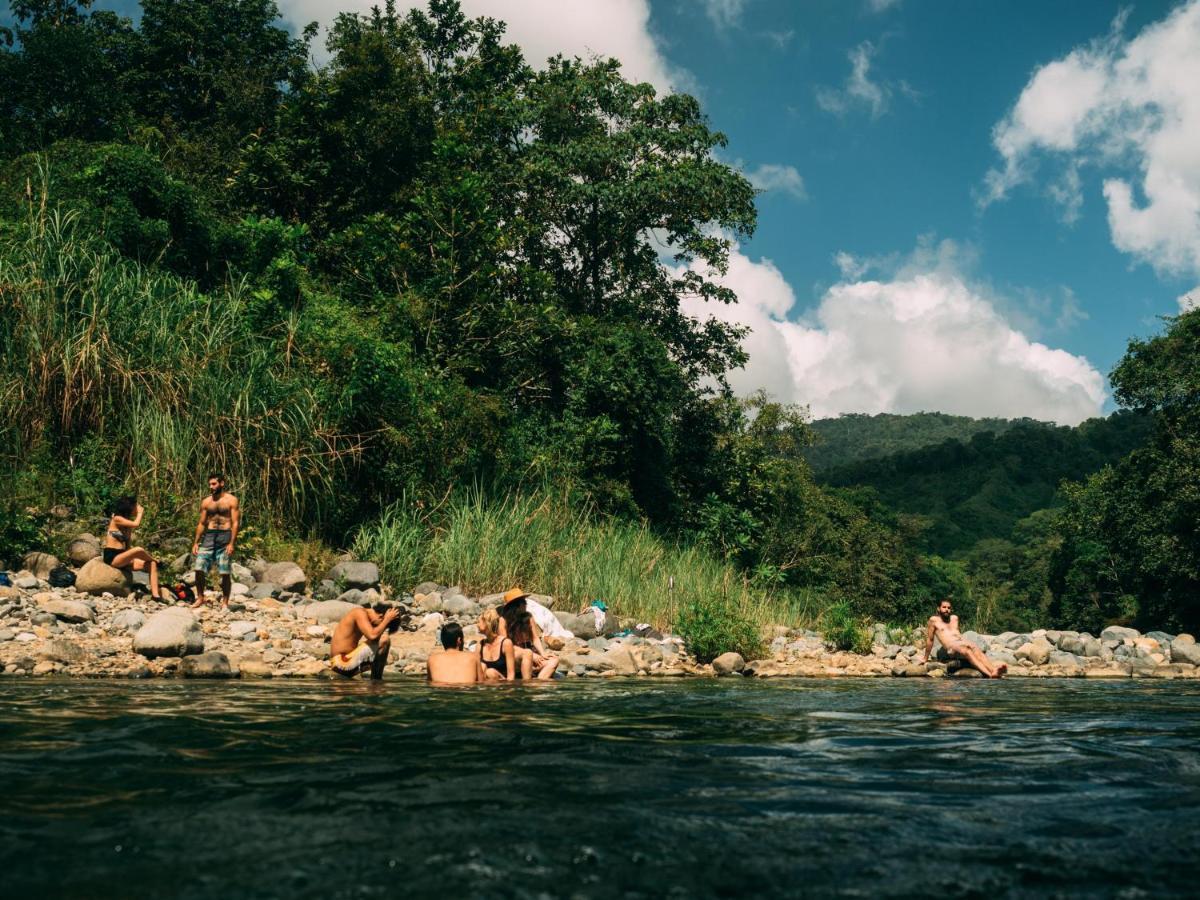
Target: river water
<point>861,788</point>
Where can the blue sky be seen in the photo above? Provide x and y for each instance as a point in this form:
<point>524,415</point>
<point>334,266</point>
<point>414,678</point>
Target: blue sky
<point>971,206</point>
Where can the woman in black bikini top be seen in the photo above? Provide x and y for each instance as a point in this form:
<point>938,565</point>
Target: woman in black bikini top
<point>127,515</point>
<point>502,667</point>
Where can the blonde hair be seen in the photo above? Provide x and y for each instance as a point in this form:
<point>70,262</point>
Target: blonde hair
<point>489,621</point>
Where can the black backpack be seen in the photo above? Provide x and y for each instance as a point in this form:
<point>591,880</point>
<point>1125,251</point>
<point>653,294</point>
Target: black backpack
<point>61,577</point>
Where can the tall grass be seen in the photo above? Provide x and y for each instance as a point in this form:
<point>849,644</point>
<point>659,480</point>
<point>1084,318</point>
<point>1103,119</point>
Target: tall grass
<point>545,544</point>
<point>170,379</point>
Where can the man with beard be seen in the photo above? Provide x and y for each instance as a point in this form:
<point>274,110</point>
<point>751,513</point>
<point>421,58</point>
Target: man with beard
<point>216,536</point>
<point>944,626</point>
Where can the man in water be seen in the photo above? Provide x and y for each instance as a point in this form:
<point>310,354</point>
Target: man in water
<point>452,664</point>
<point>361,641</point>
<point>944,626</point>
<point>216,536</point>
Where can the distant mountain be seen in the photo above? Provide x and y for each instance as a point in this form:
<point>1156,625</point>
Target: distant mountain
<point>855,437</point>
<point>979,487</point>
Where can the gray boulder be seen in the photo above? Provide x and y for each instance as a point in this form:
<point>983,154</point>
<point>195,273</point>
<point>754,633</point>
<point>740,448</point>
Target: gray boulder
<point>169,632</point>
<point>1185,652</point>
<point>27,582</point>
<point>458,605</point>
<point>622,661</point>
<point>242,575</point>
<point>326,611</point>
<point>1091,646</point>
<point>1117,633</point>
<point>288,575</point>
<point>61,651</point>
<point>258,567</point>
<point>1071,644</point>
<point>97,578</point>
<point>1062,658</point>
<point>213,664</point>
<point>70,610</point>
<point>361,575</point>
<point>263,590</point>
<point>326,590</point>
<point>128,620</point>
<point>39,564</point>
<point>728,664</point>
<point>426,587</point>
<point>1036,651</point>
<point>83,548</point>
<point>583,627</point>
<point>240,629</point>
<point>354,595</point>
<point>977,639</point>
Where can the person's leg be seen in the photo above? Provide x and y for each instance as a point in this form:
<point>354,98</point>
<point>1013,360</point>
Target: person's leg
<point>524,662</point>
<point>225,567</point>
<point>976,658</point>
<point>547,670</point>
<point>226,589</point>
<point>139,560</point>
<point>201,566</point>
<point>382,647</point>
<point>154,578</point>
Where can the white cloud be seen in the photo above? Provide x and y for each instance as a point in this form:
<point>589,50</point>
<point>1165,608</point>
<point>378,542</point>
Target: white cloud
<point>1190,300</point>
<point>922,338</point>
<point>1125,107</point>
<point>543,28</point>
<point>775,177</point>
<point>859,89</point>
<point>878,6</point>
<point>724,13</point>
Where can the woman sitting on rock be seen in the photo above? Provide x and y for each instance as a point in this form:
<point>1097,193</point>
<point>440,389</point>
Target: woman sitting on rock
<point>518,624</point>
<point>495,650</point>
<point>127,515</point>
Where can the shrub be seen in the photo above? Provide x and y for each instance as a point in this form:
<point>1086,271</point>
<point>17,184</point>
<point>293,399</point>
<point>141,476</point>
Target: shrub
<point>845,630</point>
<point>713,624</point>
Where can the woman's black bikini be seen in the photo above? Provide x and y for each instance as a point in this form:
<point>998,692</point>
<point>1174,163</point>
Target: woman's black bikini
<point>500,664</point>
<point>111,553</point>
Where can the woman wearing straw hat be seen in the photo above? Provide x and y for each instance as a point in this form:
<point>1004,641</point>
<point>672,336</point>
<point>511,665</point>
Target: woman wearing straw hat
<point>519,623</point>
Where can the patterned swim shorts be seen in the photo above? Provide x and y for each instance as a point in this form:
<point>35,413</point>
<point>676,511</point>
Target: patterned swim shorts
<point>214,551</point>
<point>351,663</point>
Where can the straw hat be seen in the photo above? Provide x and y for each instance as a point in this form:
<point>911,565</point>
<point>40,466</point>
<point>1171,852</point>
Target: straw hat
<point>514,594</point>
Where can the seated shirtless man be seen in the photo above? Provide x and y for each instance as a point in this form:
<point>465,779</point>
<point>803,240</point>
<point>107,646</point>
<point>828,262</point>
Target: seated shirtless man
<point>361,641</point>
<point>944,625</point>
<point>452,664</point>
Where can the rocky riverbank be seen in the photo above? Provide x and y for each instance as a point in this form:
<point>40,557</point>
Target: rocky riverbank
<point>278,625</point>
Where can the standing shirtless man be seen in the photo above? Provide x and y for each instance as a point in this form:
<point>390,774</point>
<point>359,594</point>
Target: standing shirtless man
<point>944,625</point>
<point>216,536</point>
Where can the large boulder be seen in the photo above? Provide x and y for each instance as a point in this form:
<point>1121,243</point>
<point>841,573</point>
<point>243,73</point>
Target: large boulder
<point>128,620</point>
<point>729,663</point>
<point>621,660</point>
<point>1185,651</point>
<point>287,575</point>
<point>583,627</point>
<point>1117,633</point>
<point>97,578</point>
<point>213,664</point>
<point>458,605</point>
<point>326,611</point>
<point>82,548</point>
<point>39,564</point>
<point>361,575</point>
<point>1036,651</point>
<point>170,632</point>
<point>70,610</point>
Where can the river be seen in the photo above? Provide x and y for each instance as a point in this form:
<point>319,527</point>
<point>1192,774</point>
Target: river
<point>682,788</point>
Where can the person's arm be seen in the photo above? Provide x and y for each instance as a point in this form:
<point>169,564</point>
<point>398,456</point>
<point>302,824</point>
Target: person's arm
<point>538,647</point>
<point>928,640</point>
<point>510,659</point>
<point>373,629</point>
<point>235,518</point>
<point>200,526</point>
<point>123,522</point>
<point>480,674</point>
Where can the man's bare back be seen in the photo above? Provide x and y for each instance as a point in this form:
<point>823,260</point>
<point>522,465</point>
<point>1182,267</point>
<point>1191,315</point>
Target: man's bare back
<point>452,664</point>
<point>361,640</point>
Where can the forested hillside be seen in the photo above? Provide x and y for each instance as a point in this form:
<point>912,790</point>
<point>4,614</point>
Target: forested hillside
<point>973,489</point>
<point>854,437</point>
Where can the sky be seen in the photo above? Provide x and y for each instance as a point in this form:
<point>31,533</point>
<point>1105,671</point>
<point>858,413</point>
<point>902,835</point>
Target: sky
<point>967,207</point>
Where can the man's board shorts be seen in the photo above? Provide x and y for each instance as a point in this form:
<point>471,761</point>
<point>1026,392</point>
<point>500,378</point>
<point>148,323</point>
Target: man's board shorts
<point>214,551</point>
<point>351,663</point>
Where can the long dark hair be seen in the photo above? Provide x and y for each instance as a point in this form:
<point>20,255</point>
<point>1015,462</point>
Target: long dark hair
<point>509,612</point>
<point>125,507</point>
<point>520,629</point>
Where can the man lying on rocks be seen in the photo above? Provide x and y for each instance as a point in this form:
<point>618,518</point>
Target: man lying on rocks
<point>361,641</point>
<point>944,625</point>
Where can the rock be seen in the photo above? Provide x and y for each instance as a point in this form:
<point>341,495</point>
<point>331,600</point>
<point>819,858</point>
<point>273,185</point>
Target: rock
<point>272,656</point>
<point>582,626</point>
<point>169,632</point>
<point>1063,658</point>
<point>212,664</point>
<point>1184,652</point>
<point>354,596</point>
<point>263,590</point>
<point>288,575</point>
<point>1117,633</point>
<point>257,566</point>
<point>1036,651</point>
<point>43,618</point>
<point>1184,638</point>
<point>39,564</point>
<point>255,668</point>
<point>431,602</point>
<point>427,587</point>
<point>241,628</point>
<point>327,610</point>
<point>6,634</point>
<point>27,582</point>
<point>460,606</point>
<point>83,548</point>
<point>97,578</point>
<point>361,575</point>
<point>241,574</point>
<point>128,620</point>
<point>61,651</point>
<point>432,621</point>
<point>977,639</point>
<point>25,637</point>
<point>966,672</point>
<point>45,667</point>
<point>70,610</point>
<point>1161,636</point>
<point>621,661</point>
<point>728,664</point>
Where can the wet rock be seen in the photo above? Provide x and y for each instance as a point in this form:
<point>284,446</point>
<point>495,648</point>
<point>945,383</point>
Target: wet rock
<point>728,664</point>
<point>966,672</point>
<point>97,578</point>
<point>1185,652</point>
<point>62,651</point>
<point>39,564</point>
<point>288,575</point>
<point>169,632</point>
<point>212,664</point>
<point>1117,633</point>
<point>360,575</point>
<point>327,610</point>
<point>128,620</point>
<point>70,610</point>
<point>83,548</point>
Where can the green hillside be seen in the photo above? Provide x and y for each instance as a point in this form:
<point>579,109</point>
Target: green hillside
<point>854,437</point>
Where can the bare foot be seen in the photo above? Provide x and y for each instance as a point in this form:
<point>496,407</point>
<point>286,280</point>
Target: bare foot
<point>1001,670</point>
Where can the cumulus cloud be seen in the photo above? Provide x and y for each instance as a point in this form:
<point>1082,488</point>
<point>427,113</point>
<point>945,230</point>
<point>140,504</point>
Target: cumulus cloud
<point>775,177</point>
<point>724,13</point>
<point>859,90</point>
<point>1190,300</point>
<point>921,338</point>
<point>543,28</point>
<point>1131,109</point>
